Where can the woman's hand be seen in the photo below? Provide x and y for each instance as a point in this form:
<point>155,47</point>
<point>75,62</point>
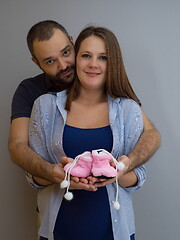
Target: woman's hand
<point>76,182</point>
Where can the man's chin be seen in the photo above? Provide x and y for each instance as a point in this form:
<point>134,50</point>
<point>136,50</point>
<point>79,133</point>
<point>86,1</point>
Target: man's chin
<point>67,79</point>
<point>62,84</point>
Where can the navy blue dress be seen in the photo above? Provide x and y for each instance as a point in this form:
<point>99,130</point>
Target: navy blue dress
<point>88,215</point>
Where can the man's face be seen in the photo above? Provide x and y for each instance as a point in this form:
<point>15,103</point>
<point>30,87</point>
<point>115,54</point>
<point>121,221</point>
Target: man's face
<point>56,57</point>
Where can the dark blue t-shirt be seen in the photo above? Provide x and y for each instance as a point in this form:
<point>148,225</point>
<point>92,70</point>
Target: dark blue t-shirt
<point>27,92</point>
<point>88,215</point>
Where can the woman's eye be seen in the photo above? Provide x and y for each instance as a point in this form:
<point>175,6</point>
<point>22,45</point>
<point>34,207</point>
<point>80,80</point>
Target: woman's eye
<point>104,58</point>
<point>85,55</point>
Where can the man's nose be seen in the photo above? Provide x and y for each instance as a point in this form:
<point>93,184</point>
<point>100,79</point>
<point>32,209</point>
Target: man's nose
<point>61,64</point>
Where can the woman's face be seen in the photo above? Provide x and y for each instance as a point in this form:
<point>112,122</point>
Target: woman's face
<point>91,63</point>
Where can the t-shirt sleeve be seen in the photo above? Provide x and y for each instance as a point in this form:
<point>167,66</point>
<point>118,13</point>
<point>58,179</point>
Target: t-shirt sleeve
<point>21,103</point>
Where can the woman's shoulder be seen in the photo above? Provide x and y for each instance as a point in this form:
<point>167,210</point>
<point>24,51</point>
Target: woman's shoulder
<point>126,107</point>
<point>44,102</point>
<point>129,102</point>
<point>48,99</point>
<point>124,102</point>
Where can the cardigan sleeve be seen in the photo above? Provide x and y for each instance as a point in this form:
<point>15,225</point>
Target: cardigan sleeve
<point>133,130</point>
<point>37,137</point>
<point>141,176</point>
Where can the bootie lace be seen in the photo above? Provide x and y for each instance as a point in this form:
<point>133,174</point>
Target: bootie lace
<point>119,166</point>
<point>66,182</point>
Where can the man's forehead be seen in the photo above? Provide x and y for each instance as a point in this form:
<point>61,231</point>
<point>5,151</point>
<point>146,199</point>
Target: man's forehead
<point>56,44</point>
<point>57,36</point>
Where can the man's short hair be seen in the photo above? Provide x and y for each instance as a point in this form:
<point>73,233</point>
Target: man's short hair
<point>41,31</point>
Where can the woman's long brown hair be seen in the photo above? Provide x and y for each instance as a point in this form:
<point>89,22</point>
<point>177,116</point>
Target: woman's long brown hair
<point>117,83</point>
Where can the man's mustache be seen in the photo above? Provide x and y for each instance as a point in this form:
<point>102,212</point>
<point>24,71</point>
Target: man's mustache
<point>65,70</point>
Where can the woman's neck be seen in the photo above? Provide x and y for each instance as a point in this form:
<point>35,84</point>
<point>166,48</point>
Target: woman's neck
<point>89,110</point>
<point>91,97</point>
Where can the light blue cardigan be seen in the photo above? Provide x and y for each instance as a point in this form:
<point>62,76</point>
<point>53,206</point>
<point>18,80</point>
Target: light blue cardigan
<point>45,138</point>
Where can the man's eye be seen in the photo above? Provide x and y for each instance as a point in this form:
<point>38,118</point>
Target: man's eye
<point>50,61</point>
<point>85,55</point>
<point>104,58</point>
<point>66,53</point>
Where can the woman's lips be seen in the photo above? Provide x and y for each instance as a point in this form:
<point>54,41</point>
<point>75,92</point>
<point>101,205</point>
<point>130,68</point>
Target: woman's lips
<point>92,74</point>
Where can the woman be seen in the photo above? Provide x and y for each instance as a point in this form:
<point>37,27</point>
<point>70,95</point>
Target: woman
<point>100,110</point>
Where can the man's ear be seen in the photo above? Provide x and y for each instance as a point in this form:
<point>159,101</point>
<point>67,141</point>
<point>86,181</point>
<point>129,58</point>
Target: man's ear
<point>71,40</point>
<point>35,61</point>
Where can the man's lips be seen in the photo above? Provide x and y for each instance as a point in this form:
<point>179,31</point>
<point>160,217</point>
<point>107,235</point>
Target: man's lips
<point>67,73</point>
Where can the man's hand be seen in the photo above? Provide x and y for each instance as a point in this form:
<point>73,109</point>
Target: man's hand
<point>126,161</point>
<point>56,175</point>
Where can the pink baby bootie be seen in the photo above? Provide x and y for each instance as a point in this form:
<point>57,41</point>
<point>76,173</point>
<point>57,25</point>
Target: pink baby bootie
<point>101,166</point>
<point>81,166</point>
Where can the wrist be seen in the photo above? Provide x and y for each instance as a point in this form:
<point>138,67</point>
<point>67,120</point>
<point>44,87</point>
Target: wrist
<point>41,182</point>
<point>49,172</point>
<point>128,180</point>
<point>125,160</point>
<point>132,159</point>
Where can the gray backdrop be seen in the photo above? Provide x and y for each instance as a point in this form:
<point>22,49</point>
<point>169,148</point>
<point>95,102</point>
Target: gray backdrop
<point>149,35</point>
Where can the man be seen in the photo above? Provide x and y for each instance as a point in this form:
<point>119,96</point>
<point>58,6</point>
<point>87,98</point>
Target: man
<point>52,50</point>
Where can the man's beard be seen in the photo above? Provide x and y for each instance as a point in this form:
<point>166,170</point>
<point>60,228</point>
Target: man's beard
<point>63,83</point>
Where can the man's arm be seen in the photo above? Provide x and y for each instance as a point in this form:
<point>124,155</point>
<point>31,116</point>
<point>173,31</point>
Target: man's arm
<point>22,155</point>
<point>147,145</point>
<point>25,157</point>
